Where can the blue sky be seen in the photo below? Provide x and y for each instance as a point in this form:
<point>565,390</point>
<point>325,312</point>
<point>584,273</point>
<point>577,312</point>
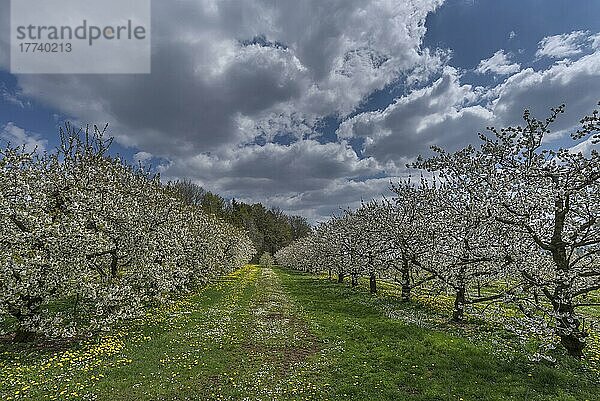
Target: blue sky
<point>312,105</point>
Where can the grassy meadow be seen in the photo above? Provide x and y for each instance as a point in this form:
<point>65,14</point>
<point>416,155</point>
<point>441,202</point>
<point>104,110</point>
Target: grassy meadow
<point>275,334</point>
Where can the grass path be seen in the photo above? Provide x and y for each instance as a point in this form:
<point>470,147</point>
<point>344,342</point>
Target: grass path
<point>271,334</point>
<point>237,339</point>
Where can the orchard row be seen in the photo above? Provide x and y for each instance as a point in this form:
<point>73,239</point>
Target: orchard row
<point>88,241</point>
<point>510,223</point>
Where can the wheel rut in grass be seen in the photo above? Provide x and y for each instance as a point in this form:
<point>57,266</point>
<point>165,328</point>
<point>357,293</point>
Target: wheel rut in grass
<point>277,333</point>
<point>262,337</point>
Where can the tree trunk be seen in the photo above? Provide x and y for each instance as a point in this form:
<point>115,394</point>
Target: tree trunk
<point>405,281</point>
<point>354,280</point>
<point>341,276</point>
<point>32,304</point>
<point>114,264</point>
<point>567,323</point>
<point>330,273</point>
<point>568,328</point>
<point>459,305</point>
<point>24,336</point>
<point>573,342</point>
<point>372,283</point>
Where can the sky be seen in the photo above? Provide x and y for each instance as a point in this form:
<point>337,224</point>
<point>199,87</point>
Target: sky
<point>312,105</point>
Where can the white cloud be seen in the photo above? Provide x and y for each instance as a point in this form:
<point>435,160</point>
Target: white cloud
<point>226,74</point>
<point>443,114</point>
<point>512,35</point>
<point>298,177</point>
<point>450,114</point>
<point>302,165</point>
<point>17,136</point>
<point>595,41</point>
<point>499,64</point>
<point>564,45</point>
<point>142,157</point>
<point>230,75</point>
<point>217,65</point>
<point>335,196</point>
<point>585,147</point>
<point>13,97</point>
<point>576,84</point>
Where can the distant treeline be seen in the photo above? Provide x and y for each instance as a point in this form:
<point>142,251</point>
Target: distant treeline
<point>270,229</point>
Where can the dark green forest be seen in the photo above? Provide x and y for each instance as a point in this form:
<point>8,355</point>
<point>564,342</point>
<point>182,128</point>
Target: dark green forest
<point>269,228</point>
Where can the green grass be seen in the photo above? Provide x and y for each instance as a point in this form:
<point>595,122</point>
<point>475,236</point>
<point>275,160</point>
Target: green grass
<point>274,334</point>
<point>384,358</point>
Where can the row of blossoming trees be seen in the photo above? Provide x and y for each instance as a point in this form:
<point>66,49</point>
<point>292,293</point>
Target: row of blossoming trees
<point>507,223</point>
<point>88,241</point>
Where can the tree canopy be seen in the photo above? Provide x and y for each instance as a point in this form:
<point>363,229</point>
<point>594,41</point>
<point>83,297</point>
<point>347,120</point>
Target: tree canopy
<point>269,228</point>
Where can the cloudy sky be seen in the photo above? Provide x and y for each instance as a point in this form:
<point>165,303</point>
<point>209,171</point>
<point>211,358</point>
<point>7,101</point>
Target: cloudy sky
<point>309,105</point>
